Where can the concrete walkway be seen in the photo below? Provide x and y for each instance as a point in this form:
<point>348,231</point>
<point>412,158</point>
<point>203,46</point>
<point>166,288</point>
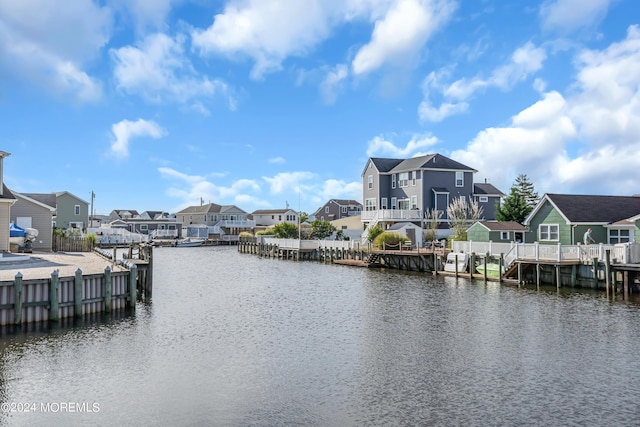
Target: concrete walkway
<point>41,265</point>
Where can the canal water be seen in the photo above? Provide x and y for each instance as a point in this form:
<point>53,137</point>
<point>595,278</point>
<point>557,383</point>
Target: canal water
<point>236,340</point>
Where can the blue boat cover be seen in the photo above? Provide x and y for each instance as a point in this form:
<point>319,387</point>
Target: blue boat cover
<point>15,231</point>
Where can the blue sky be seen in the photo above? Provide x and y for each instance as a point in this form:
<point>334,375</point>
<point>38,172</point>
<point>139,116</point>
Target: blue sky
<point>154,105</point>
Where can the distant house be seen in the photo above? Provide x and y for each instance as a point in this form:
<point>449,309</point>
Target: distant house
<point>223,222</point>
<point>30,213</point>
<point>564,218</point>
<point>401,190</point>
<point>497,231</point>
<point>270,217</point>
<point>336,209</point>
<point>351,227</point>
<point>153,223</point>
<point>6,200</point>
<point>71,211</point>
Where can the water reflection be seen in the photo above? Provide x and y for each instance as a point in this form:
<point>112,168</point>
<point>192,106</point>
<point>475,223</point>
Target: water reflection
<point>234,339</point>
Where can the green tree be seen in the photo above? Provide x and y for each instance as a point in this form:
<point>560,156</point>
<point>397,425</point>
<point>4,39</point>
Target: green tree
<point>520,201</point>
<point>526,189</point>
<point>303,216</point>
<point>513,208</point>
<point>285,230</point>
<point>373,232</point>
<point>321,229</point>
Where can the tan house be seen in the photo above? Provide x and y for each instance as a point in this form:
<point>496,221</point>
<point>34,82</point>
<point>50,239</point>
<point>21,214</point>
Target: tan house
<point>265,218</point>
<point>6,200</point>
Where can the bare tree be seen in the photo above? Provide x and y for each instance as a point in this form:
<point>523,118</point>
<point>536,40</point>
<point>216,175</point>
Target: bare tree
<point>461,214</point>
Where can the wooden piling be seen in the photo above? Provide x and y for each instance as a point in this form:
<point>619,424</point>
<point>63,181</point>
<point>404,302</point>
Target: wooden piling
<point>607,269</point>
<point>17,283</point>
<point>132,286</point>
<point>107,289</point>
<point>53,296</point>
<point>77,294</point>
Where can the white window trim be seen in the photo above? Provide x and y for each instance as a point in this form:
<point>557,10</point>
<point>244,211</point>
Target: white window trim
<point>414,202</point>
<point>459,179</point>
<point>504,235</point>
<point>383,203</point>
<point>394,203</point>
<point>549,232</point>
<point>483,199</point>
<point>76,210</point>
<point>617,237</point>
<point>370,181</point>
<point>393,180</point>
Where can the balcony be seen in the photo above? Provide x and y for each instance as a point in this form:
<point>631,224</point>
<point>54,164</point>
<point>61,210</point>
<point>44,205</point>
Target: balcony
<point>392,215</point>
<point>235,223</point>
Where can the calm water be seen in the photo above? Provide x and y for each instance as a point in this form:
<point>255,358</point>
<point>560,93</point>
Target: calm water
<point>236,340</point>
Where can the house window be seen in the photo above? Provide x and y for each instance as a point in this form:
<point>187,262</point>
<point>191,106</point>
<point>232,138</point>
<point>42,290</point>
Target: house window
<point>370,181</point>
<point>549,232</point>
<point>383,203</point>
<point>370,204</point>
<point>394,203</point>
<point>483,199</point>
<point>403,204</point>
<point>459,179</point>
<point>413,180</point>
<point>144,227</point>
<point>326,209</point>
<point>279,217</point>
<point>344,209</point>
<point>619,236</point>
<point>393,181</point>
<point>403,179</point>
<point>504,235</point>
<point>414,202</point>
<point>76,209</point>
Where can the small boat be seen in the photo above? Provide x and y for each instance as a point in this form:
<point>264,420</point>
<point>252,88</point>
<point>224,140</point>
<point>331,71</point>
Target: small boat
<point>493,269</point>
<point>189,243</point>
<point>450,264</point>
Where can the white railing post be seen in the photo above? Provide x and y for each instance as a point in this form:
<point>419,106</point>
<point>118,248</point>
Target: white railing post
<point>600,251</point>
<point>559,252</point>
<point>536,247</point>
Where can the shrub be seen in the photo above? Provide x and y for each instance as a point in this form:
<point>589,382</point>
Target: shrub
<point>389,240</point>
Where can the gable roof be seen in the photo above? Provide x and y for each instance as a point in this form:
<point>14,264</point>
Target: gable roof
<point>486,189</point>
<point>585,209</point>
<point>36,202</point>
<point>502,225</point>
<point>61,193</point>
<point>48,199</point>
<point>200,209</point>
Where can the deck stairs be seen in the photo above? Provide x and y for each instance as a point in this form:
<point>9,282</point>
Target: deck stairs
<point>372,259</point>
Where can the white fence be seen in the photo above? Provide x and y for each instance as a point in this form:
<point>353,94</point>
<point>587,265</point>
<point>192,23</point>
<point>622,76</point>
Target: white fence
<point>311,244</point>
<point>625,253</point>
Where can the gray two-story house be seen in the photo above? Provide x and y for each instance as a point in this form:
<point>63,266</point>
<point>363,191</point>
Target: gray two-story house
<point>399,190</point>
<point>336,209</point>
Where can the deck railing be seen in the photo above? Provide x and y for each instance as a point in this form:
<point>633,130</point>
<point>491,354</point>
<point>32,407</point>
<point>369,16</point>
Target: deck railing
<point>392,215</point>
<point>620,253</point>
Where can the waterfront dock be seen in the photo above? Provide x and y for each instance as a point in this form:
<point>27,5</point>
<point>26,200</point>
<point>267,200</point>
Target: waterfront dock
<point>53,286</point>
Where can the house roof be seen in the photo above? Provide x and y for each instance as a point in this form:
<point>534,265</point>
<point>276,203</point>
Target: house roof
<point>486,189</point>
<point>502,226</point>
<point>343,202</point>
<point>60,193</point>
<point>401,225</point>
<point>430,161</point>
<point>590,208</point>
<point>51,209</point>
<point>384,165</point>
<point>48,199</point>
<point>201,209</point>
<point>271,211</point>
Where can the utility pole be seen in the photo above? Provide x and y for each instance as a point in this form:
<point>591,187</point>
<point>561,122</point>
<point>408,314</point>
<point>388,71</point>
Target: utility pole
<point>91,213</point>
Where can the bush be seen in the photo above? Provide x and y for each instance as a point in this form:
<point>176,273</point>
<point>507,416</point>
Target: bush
<point>389,240</point>
<point>374,232</point>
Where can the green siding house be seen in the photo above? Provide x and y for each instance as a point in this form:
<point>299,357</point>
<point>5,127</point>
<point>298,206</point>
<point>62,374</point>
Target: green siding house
<point>564,218</point>
<point>496,231</point>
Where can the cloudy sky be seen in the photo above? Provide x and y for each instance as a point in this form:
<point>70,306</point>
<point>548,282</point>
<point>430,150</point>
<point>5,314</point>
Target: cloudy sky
<point>156,105</point>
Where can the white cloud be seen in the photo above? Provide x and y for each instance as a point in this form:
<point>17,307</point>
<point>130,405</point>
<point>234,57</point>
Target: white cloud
<point>379,146</point>
<point>48,45</point>
<point>525,61</point>
<point>159,70</point>
<point>586,142</point>
<point>146,15</point>
<point>288,181</point>
<point>339,189</point>
<point>569,15</point>
<point>399,36</point>
<point>276,160</point>
<point>333,82</point>
<point>267,32</point>
<point>126,130</point>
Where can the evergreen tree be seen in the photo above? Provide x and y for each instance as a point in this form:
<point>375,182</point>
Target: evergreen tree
<point>513,208</point>
<point>321,229</point>
<point>525,188</point>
